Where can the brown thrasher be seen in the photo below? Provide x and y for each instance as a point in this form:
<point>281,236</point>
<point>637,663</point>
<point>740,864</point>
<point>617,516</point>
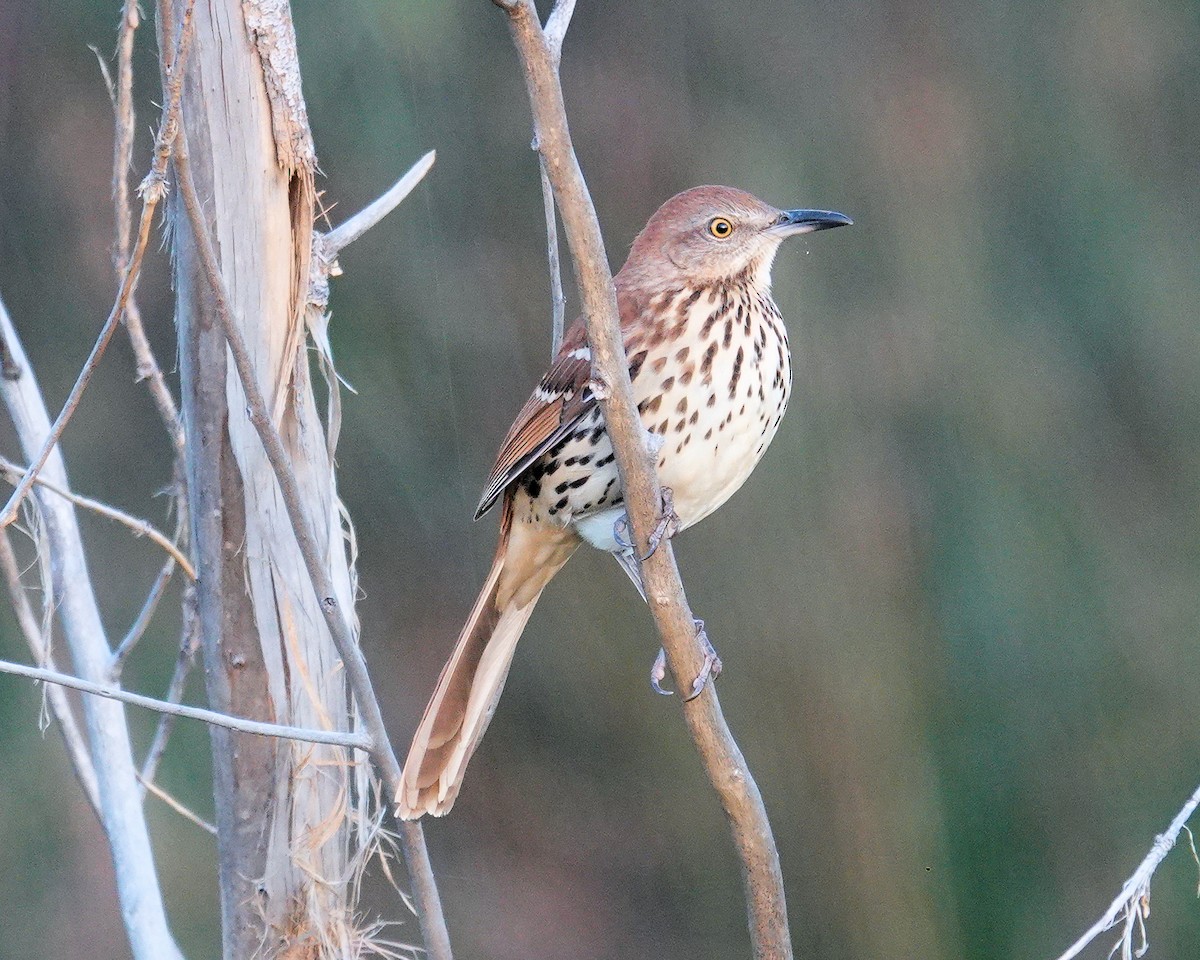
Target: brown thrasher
<point>708,357</point>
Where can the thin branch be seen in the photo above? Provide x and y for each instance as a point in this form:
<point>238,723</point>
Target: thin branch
<point>60,706</point>
<point>189,643</point>
<point>334,737</point>
<point>153,188</point>
<point>556,28</point>
<point>178,807</point>
<point>140,528</point>
<point>147,364</point>
<point>556,31</point>
<point>432,920</point>
<point>558,300</point>
<point>145,615</point>
<point>346,233</point>
<point>762,877</point>
<point>1132,905</point>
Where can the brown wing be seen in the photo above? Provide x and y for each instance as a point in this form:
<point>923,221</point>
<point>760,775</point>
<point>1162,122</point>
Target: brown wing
<point>560,400</point>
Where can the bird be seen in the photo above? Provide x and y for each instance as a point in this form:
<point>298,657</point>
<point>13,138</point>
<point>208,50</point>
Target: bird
<point>711,373</point>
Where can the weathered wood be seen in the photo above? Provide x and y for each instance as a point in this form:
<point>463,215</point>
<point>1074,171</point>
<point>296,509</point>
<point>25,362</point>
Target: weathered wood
<point>283,809</point>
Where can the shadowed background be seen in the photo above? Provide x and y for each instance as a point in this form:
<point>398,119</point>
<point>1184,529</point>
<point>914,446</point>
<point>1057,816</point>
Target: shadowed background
<point>958,602</point>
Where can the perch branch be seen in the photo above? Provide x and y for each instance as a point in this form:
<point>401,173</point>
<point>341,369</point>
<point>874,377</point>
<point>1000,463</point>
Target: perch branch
<point>140,528</point>
<point>1132,905</point>
<point>60,706</point>
<point>333,737</point>
<point>723,762</point>
<point>153,188</point>
<point>429,912</point>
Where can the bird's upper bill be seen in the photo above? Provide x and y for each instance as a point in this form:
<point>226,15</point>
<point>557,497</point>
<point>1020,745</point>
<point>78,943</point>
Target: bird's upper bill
<point>792,223</point>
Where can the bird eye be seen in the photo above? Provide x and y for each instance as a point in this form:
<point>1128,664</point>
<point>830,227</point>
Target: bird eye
<point>720,228</point>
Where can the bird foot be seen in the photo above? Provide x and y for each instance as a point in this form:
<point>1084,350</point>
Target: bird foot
<point>710,671</point>
<point>666,527</point>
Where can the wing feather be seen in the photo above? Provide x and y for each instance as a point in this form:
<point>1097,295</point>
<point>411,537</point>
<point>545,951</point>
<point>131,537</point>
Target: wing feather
<point>558,403</point>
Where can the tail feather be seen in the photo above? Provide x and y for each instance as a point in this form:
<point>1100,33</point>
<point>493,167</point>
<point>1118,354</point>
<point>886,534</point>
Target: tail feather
<point>470,684</point>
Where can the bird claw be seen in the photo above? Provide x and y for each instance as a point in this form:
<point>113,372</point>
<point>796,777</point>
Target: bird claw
<point>712,663</point>
<point>666,527</point>
<point>710,671</point>
<point>668,522</point>
<point>658,673</point>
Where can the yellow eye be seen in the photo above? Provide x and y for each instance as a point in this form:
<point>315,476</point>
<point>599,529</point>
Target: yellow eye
<point>720,228</point>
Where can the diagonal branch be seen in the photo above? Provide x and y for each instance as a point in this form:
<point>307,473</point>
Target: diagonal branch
<point>141,528</point>
<point>189,643</point>
<point>433,925</point>
<point>762,877</point>
<point>346,233</point>
<point>334,737</point>
<point>153,189</point>
<point>1132,905</point>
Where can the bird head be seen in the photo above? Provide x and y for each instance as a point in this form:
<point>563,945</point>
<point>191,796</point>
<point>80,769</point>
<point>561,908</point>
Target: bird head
<point>708,234</point>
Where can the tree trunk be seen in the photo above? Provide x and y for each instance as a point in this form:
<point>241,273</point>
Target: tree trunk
<point>286,812</point>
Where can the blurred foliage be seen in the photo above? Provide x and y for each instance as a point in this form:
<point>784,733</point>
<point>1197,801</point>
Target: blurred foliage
<point>958,603</point>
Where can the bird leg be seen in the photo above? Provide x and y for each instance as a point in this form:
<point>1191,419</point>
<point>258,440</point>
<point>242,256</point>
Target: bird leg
<point>710,671</point>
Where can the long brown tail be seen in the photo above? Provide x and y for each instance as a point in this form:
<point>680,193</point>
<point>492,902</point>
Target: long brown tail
<point>470,684</point>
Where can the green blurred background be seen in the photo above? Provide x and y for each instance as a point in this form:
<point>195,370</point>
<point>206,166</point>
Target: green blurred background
<point>958,602</point>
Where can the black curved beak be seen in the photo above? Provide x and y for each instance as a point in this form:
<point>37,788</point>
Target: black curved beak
<point>791,223</point>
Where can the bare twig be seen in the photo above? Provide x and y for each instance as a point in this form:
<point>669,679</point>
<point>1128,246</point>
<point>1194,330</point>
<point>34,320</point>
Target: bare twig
<point>60,706</point>
<point>334,737</point>
<point>145,615</point>
<point>189,643</point>
<point>723,761</point>
<point>558,300</point>
<point>153,188</point>
<point>556,31</point>
<point>147,364</point>
<point>141,528</point>
<point>433,926</point>
<point>1132,905</point>
<point>187,814</point>
<point>346,233</point>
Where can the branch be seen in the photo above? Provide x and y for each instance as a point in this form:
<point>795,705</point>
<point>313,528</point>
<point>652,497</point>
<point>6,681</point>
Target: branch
<point>333,737</point>
<point>1132,905</point>
<point>556,32</point>
<point>153,188</point>
<point>141,528</point>
<point>189,643</point>
<point>76,745</point>
<point>762,877</point>
<point>433,924</point>
<point>145,615</point>
<point>558,300</point>
<point>342,236</point>
<point>147,365</point>
<point>124,822</point>
<point>179,808</point>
